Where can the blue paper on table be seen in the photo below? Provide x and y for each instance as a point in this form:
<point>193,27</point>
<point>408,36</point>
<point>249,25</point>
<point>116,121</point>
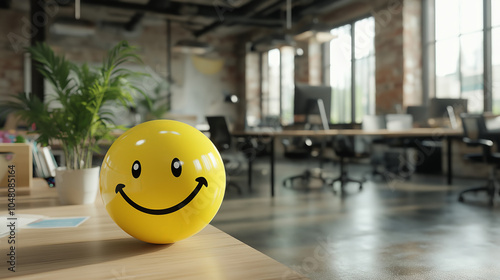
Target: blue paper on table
<point>58,222</point>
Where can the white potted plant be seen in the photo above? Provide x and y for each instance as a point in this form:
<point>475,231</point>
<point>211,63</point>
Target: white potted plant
<point>76,117</point>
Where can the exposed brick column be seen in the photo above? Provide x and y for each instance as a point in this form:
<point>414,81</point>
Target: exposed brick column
<point>15,37</point>
<point>314,51</point>
<point>389,62</point>
<point>398,67</point>
<point>412,46</point>
<point>302,64</point>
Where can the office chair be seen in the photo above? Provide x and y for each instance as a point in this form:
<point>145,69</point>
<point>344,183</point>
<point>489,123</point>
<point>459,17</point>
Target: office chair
<point>374,123</point>
<point>344,147</point>
<point>305,147</point>
<point>476,134</point>
<point>222,139</point>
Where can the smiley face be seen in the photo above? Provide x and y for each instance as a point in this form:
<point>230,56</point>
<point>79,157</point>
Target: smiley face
<point>162,181</point>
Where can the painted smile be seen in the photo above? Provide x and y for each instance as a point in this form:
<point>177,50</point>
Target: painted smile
<point>201,182</point>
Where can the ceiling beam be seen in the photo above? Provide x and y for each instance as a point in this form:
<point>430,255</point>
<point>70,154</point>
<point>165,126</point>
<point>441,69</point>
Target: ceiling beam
<point>134,21</point>
<point>137,17</point>
<point>322,6</point>
<point>179,9</point>
<point>173,8</point>
<point>248,10</point>
<point>5,4</point>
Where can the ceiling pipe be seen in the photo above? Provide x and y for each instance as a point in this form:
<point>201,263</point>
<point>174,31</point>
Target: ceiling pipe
<point>134,21</point>
<point>5,4</point>
<point>137,17</point>
<point>249,10</point>
<point>174,8</point>
<point>324,6</point>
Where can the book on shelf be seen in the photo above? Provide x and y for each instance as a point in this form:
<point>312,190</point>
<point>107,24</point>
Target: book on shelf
<point>49,161</point>
<point>44,163</point>
<point>37,163</point>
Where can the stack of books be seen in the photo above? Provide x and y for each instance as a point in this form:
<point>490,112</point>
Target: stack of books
<point>44,163</point>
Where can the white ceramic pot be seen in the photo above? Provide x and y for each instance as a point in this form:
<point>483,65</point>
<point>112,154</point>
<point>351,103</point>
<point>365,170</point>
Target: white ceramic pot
<point>77,186</point>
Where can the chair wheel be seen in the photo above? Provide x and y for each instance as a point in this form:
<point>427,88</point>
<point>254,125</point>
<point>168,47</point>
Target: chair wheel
<point>461,199</point>
<point>360,186</point>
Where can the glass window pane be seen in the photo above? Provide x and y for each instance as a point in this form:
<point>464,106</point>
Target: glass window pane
<point>471,15</point>
<point>364,99</point>
<point>495,34</point>
<point>447,18</point>
<point>495,14</point>
<point>472,70</point>
<point>340,47</point>
<point>340,75</point>
<point>265,107</point>
<point>274,107</point>
<point>287,84</point>
<point>472,60</point>
<point>265,77</point>
<point>447,77</point>
<point>446,57</point>
<point>364,32</point>
<point>365,88</point>
<point>274,62</point>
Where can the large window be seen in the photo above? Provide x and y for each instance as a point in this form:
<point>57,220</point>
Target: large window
<point>277,85</point>
<point>270,85</point>
<point>459,51</point>
<point>459,42</point>
<point>350,70</point>
<point>495,56</point>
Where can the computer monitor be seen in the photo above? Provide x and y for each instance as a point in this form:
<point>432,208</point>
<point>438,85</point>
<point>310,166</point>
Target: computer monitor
<point>419,114</point>
<point>445,111</point>
<point>306,100</point>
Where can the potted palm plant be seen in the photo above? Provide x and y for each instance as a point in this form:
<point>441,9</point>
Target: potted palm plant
<point>77,116</point>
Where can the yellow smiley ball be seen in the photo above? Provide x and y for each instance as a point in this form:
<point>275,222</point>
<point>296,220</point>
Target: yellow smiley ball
<point>162,181</point>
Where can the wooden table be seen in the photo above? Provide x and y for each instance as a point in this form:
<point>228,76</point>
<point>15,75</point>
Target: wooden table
<point>99,249</point>
<point>437,134</point>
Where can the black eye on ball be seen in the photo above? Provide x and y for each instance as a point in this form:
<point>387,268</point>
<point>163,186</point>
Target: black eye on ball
<point>136,169</point>
<point>176,167</point>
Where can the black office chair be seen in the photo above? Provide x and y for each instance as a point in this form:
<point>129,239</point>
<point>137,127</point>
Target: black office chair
<point>303,148</point>
<point>222,139</point>
<point>476,134</point>
<point>344,148</point>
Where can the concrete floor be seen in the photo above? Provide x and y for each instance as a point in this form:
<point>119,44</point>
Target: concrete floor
<point>412,229</point>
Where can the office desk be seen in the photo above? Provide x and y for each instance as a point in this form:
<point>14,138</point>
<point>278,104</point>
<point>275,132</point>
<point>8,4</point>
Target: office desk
<point>99,249</point>
<point>438,134</point>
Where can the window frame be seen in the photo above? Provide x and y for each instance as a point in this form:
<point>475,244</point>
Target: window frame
<point>326,62</point>
<point>286,70</point>
<point>429,54</point>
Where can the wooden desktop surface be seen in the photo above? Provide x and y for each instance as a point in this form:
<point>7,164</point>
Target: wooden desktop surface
<point>437,134</point>
<point>99,249</point>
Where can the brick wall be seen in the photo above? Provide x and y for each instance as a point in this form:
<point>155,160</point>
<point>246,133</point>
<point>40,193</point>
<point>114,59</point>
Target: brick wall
<point>150,38</point>
<point>11,62</point>
<point>412,46</point>
<point>302,64</point>
<point>315,62</point>
<point>389,59</point>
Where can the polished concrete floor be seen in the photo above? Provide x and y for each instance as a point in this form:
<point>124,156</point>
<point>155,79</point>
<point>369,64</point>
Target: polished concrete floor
<point>413,229</point>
